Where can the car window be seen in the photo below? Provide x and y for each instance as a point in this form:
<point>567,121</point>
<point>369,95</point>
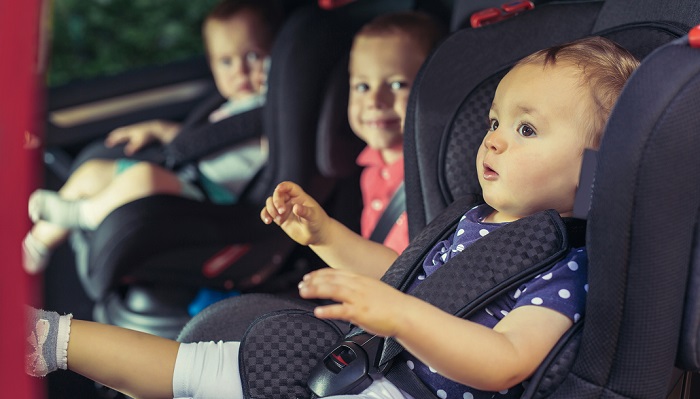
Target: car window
<point>104,37</point>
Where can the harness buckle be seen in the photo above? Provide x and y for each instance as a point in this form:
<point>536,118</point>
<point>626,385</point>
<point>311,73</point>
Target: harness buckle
<point>349,368</point>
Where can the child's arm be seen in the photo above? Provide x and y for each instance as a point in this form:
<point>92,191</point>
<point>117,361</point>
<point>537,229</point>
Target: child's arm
<point>138,364</point>
<point>305,221</point>
<point>458,349</point>
<point>138,135</point>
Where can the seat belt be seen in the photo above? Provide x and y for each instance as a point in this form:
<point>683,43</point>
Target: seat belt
<point>396,207</point>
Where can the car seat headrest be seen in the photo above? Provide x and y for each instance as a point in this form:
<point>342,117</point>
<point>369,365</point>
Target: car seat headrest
<point>442,132</point>
<point>337,147</point>
<point>683,13</point>
<point>688,356</point>
<point>643,223</point>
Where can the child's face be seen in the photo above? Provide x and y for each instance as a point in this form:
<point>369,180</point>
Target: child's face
<point>237,49</point>
<point>530,158</point>
<point>382,70</point>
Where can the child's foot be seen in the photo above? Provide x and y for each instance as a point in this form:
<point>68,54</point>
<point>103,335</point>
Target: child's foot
<point>47,344</point>
<point>50,206</point>
<point>35,255</point>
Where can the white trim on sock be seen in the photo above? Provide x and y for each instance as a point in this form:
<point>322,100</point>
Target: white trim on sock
<point>62,338</point>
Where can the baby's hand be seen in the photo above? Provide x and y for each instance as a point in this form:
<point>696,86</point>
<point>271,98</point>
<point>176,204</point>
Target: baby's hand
<point>299,215</point>
<point>139,135</point>
<point>366,302</point>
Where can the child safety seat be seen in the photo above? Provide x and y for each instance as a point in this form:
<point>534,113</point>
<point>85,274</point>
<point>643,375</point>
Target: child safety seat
<point>146,261</point>
<point>642,309</point>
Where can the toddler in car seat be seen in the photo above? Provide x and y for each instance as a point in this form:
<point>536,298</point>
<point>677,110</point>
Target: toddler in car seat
<point>546,110</point>
<point>238,36</point>
<point>384,60</point>
<point>385,57</point>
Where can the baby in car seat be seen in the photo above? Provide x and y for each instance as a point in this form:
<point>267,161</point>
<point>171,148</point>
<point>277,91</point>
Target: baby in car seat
<point>238,36</point>
<point>545,111</point>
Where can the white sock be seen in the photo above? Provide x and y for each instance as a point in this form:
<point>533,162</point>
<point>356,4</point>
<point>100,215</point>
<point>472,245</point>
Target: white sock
<point>35,255</point>
<point>50,206</point>
<point>47,343</point>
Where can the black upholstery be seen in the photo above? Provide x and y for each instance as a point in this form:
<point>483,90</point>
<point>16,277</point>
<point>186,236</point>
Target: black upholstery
<point>229,319</point>
<point>642,224</point>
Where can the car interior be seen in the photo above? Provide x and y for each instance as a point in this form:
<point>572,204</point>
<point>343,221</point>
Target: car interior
<point>601,357</point>
<point>639,339</point>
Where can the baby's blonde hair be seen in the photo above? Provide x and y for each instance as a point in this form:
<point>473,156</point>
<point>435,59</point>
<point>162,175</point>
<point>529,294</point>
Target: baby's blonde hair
<point>605,68</point>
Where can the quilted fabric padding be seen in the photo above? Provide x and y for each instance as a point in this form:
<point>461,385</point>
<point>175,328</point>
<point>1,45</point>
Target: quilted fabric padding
<point>279,350</point>
<point>556,366</point>
<point>466,131</point>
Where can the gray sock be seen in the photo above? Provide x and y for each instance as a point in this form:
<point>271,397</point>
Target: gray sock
<point>47,343</point>
<point>50,206</point>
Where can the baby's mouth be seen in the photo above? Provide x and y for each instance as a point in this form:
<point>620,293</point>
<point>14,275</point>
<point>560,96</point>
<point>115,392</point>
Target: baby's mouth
<point>489,173</point>
<point>381,123</point>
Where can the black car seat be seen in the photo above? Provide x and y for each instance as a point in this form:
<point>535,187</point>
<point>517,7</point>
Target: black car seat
<point>443,111</point>
<point>639,28</point>
<point>642,315</point>
<point>643,301</point>
<point>147,260</point>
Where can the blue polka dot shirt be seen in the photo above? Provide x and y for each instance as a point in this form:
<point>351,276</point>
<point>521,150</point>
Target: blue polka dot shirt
<point>562,288</point>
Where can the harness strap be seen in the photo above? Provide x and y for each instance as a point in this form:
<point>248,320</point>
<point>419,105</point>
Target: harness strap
<point>192,144</point>
<point>403,271</point>
<point>391,214</point>
<point>406,380</point>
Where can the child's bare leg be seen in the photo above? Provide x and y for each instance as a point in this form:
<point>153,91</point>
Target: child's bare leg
<point>44,237</point>
<point>89,179</point>
<point>132,362</point>
<point>141,180</point>
<point>137,364</point>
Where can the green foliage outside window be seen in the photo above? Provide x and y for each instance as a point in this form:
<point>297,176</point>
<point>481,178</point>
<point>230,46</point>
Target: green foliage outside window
<point>104,37</point>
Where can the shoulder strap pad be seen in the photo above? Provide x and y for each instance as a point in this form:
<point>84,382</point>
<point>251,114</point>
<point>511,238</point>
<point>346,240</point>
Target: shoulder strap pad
<point>401,272</point>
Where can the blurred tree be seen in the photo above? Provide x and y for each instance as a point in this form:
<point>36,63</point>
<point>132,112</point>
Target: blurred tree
<point>103,37</point>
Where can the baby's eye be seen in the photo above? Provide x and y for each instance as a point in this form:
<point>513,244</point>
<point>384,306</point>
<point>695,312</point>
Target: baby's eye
<point>252,57</point>
<point>526,130</point>
<point>398,85</point>
<point>493,124</point>
<point>226,61</point>
<point>361,87</point>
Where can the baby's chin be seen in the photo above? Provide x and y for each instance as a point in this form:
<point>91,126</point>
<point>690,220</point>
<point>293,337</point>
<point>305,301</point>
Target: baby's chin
<point>242,95</point>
